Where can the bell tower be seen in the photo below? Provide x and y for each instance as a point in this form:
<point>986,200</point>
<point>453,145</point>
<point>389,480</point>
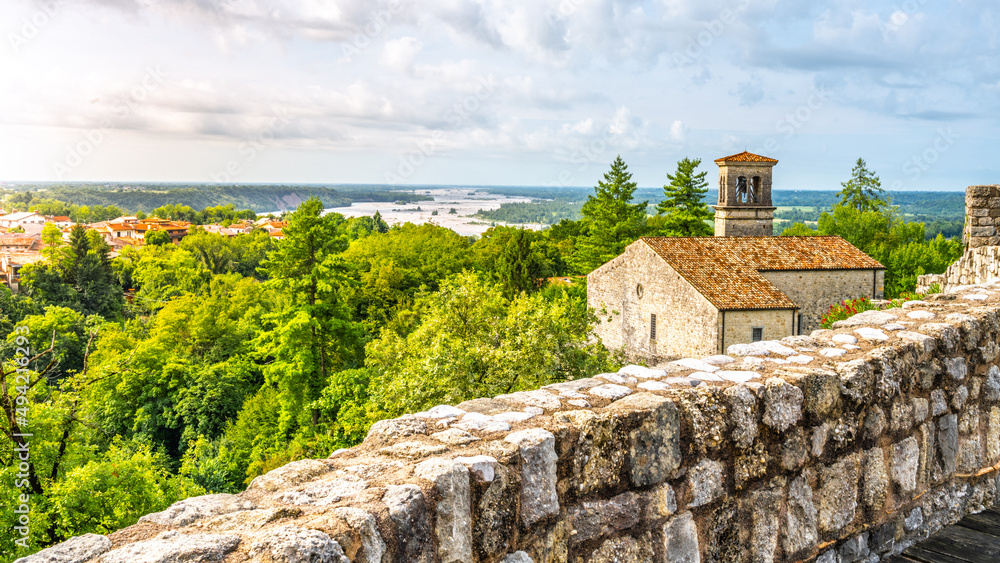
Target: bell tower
<point>744,208</point>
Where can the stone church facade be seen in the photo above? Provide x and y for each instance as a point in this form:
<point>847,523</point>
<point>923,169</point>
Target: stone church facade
<point>695,296</point>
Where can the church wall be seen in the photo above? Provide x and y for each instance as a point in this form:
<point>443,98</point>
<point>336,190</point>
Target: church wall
<point>687,324</point>
<point>815,291</point>
<point>777,323</point>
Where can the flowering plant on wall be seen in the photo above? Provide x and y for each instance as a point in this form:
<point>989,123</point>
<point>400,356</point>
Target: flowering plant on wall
<point>850,307</point>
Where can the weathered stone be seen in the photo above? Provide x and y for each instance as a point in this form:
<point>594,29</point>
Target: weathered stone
<point>968,420</point>
<point>496,514</point>
<point>454,516</point>
<point>372,545</point>
<point>324,492</point>
<point>857,380</point>
<point>705,482</point>
<point>905,461</point>
<point>913,520</point>
<point>993,435</point>
<point>925,344</point>
<point>869,333</point>
<point>876,483</point>
<point>822,393</point>
<point>819,438</point>
<point>408,511</point>
<point>765,509</point>
<point>854,549</point>
<point>991,387</point>
<point>610,391</point>
<point>969,454</point>
<point>389,431</point>
<point>654,447</point>
<point>661,501</point>
<point>680,539</point>
<point>289,475</point>
<point>292,544</point>
<point>184,512</point>
<point>73,550</point>
<point>479,422</point>
<point>600,458</point>
<point>782,404</point>
<point>956,368</point>
<point>828,556</point>
<point>538,473</point>
<point>793,450</point>
<point>602,517</point>
<point>838,494</point>
<point>926,438</point>
<point>874,424</point>
<point>517,557</point>
<point>620,549</point>
<point>948,442</point>
<point>867,318</point>
<point>412,450</point>
<point>750,464</point>
<point>454,437</point>
<point>743,410</point>
<point>642,372</point>
<point>901,417</point>
<point>947,336</point>
<point>174,547</point>
<point>921,409</point>
<point>538,398</point>
<point>959,396</point>
<point>939,402</point>
<point>800,529</point>
<point>441,411</point>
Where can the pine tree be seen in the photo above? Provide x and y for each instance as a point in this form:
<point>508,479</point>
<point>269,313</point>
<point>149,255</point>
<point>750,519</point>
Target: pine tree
<point>864,190</point>
<point>683,209</point>
<point>380,225</point>
<point>612,220</point>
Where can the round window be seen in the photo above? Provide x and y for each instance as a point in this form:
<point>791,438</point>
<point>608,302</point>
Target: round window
<point>638,290</point>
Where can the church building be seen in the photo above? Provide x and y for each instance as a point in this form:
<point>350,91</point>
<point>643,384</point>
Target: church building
<point>666,297</point>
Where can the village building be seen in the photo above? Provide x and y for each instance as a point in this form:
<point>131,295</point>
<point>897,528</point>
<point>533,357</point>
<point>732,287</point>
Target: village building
<point>666,297</point>
<point>28,221</point>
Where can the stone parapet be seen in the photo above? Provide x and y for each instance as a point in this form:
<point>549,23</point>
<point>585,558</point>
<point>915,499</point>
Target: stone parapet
<point>982,213</point>
<point>846,445</point>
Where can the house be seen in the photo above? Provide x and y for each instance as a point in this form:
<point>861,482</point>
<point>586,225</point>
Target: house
<point>132,228</point>
<point>220,230</point>
<point>60,221</point>
<point>20,243</point>
<point>695,296</point>
<point>29,221</point>
<point>11,264</point>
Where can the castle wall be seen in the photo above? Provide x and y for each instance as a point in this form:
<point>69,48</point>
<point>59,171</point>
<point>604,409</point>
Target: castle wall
<point>825,453</point>
<point>686,321</point>
<point>981,261</point>
<point>815,291</point>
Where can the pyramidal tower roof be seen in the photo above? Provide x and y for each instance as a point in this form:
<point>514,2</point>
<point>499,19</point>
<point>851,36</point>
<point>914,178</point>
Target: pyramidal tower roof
<point>745,157</point>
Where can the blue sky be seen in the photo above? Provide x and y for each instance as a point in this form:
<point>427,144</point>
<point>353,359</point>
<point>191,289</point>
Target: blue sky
<point>533,92</point>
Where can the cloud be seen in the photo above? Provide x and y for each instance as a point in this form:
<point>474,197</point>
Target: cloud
<point>399,54</point>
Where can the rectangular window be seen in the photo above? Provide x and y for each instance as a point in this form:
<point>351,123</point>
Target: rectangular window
<point>800,324</point>
<point>757,334</point>
<point>652,327</point>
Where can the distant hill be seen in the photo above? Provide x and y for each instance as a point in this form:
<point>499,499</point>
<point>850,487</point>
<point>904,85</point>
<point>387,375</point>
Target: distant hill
<point>261,198</point>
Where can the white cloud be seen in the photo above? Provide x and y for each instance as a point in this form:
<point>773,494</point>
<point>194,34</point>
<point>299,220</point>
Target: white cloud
<point>399,54</point>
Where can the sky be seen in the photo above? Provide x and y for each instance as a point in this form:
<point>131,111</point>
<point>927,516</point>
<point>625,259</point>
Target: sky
<point>497,92</point>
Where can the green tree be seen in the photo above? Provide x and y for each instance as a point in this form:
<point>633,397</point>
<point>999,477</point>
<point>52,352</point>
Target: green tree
<point>157,238</point>
<point>683,209</point>
<point>313,335</point>
<point>613,221</point>
<point>863,191</point>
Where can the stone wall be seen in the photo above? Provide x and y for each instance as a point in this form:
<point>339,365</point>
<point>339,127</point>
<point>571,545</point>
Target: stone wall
<point>981,261</point>
<point>815,290</point>
<point>846,445</point>
<point>686,323</point>
<point>777,323</point>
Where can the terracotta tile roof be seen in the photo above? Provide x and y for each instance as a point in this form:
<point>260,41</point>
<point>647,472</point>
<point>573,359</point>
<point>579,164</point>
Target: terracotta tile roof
<point>727,270</point>
<point>744,157</point>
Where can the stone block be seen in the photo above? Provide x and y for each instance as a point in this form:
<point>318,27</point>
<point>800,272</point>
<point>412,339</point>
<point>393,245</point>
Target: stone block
<point>74,550</point>
<point>854,549</point>
<point>782,404</point>
<point>765,510</point>
<point>654,447</point>
<point>744,414</point>
<point>408,511</point>
<point>495,526</point>
<point>979,191</point>
<point>800,533</point>
<point>905,462</point>
<point>882,539</point>
<point>706,482</point>
<point>876,481</point>
<point>947,439</point>
<point>822,393</point>
<point>838,495</point>
<point>680,540</point>
<point>172,546</point>
<point>598,457</point>
<point>982,231</point>
<point>993,436</point>
<point>623,548</point>
<point>599,518</point>
<point>293,544</point>
<point>991,386</point>
<point>857,380</point>
<point>454,516</point>
<point>539,498</point>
